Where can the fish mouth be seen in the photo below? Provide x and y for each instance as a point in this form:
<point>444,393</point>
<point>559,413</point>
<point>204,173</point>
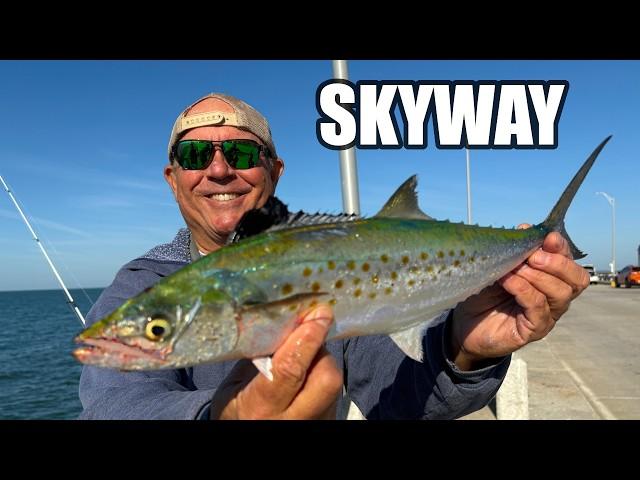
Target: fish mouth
<point>112,353</point>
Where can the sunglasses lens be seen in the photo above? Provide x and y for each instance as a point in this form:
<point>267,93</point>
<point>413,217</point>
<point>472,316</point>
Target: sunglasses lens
<point>241,155</point>
<point>197,154</point>
<point>194,154</point>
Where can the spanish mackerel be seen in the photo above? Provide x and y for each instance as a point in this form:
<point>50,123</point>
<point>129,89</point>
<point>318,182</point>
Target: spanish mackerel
<point>390,274</point>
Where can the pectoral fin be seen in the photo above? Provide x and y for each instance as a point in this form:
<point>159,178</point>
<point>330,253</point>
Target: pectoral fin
<point>298,299</point>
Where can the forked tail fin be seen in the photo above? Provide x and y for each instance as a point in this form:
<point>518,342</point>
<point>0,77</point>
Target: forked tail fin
<point>555,220</point>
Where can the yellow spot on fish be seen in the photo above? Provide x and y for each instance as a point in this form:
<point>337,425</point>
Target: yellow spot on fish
<point>462,253</point>
<point>424,256</point>
<point>313,303</point>
<point>339,284</point>
<point>384,258</point>
<point>356,281</point>
<point>375,279</point>
<point>365,267</point>
<point>331,265</point>
<point>292,308</point>
<point>414,270</point>
<point>452,253</point>
<point>405,259</point>
<point>306,272</point>
<point>333,301</point>
<point>372,295</point>
<point>456,263</point>
<point>472,259</point>
<point>394,276</point>
<point>440,254</point>
<point>287,288</point>
<point>388,290</point>
<point>315,286</point>
<point>320,270</point>
<point>357,293</point>
<point>351,265</point>
<point>411,283</point>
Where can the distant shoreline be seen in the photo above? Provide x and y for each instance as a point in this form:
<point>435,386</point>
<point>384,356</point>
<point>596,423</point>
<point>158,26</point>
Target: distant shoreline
<point>52,289</point>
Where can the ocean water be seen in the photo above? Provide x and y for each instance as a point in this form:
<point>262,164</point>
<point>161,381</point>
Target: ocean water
<point>38,376</point>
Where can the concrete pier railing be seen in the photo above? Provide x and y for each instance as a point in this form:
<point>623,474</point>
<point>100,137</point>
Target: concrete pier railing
<point>512,400</point>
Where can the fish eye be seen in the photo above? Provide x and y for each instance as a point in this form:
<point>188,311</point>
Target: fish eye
<point>157,329</point>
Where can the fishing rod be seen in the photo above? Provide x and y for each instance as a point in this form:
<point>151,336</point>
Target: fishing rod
<point>70,301</point>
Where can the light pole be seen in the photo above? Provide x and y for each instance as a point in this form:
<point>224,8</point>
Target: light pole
<point>468,189</point>
<point>348,165</point>
<point>612,202</point>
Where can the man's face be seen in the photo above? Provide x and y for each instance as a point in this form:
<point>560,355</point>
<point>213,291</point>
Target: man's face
<point>213,200</point>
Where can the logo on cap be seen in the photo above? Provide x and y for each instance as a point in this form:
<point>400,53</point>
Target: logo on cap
<point>210,118</point>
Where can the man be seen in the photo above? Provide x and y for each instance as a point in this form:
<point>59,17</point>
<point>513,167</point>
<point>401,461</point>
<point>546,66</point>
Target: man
<point>236,170</point>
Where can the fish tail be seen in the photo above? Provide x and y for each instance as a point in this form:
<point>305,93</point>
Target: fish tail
<point>555,221</point>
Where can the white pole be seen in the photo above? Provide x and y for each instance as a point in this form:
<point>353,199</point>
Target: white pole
<point>70,301</point>
<point>613,232</point>
<point>612,202</point>
<point>348,165</point>
<point>468,189</point>
<point>350,204</point>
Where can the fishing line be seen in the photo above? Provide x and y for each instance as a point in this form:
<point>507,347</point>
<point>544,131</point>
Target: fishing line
<point>60,258</point>
<point>57,254</point>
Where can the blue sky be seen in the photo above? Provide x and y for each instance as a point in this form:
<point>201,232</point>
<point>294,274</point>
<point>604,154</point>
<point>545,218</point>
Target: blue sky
<point>84,144</point>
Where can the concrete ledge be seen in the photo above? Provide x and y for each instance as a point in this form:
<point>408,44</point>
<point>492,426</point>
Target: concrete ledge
<point>512,401</point>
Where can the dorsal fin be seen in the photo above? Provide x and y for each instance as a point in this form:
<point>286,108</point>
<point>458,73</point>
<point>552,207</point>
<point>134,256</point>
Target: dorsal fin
<point>275,215</point>
<point>302,219</point>
<point>258,220</point>
<point>404,202</point>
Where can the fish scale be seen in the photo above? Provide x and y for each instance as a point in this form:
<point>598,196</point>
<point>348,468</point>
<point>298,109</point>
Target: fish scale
<point>389,274</point>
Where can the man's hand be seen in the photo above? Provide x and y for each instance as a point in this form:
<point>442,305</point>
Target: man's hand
<point>306,381</point>
<point>523,306</point>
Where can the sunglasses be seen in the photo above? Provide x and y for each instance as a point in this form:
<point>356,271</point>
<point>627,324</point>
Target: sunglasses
<point>198,154</point>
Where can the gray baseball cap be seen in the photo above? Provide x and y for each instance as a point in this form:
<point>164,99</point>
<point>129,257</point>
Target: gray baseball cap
<point>244,117</point>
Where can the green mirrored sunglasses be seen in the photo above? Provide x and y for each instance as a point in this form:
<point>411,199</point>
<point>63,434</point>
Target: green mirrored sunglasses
<point>198,154</point>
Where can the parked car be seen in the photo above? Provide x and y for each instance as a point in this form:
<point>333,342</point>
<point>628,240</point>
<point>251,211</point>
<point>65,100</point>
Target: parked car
<point>593,276</point>
<point>628,276</point>
<point>606,277</point>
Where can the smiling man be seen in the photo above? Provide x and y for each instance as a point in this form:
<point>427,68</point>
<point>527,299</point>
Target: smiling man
<point>222,164</point>
<point>214,196</point>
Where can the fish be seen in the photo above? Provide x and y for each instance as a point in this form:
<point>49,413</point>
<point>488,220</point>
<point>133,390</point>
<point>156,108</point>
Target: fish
<point>390,274</point>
